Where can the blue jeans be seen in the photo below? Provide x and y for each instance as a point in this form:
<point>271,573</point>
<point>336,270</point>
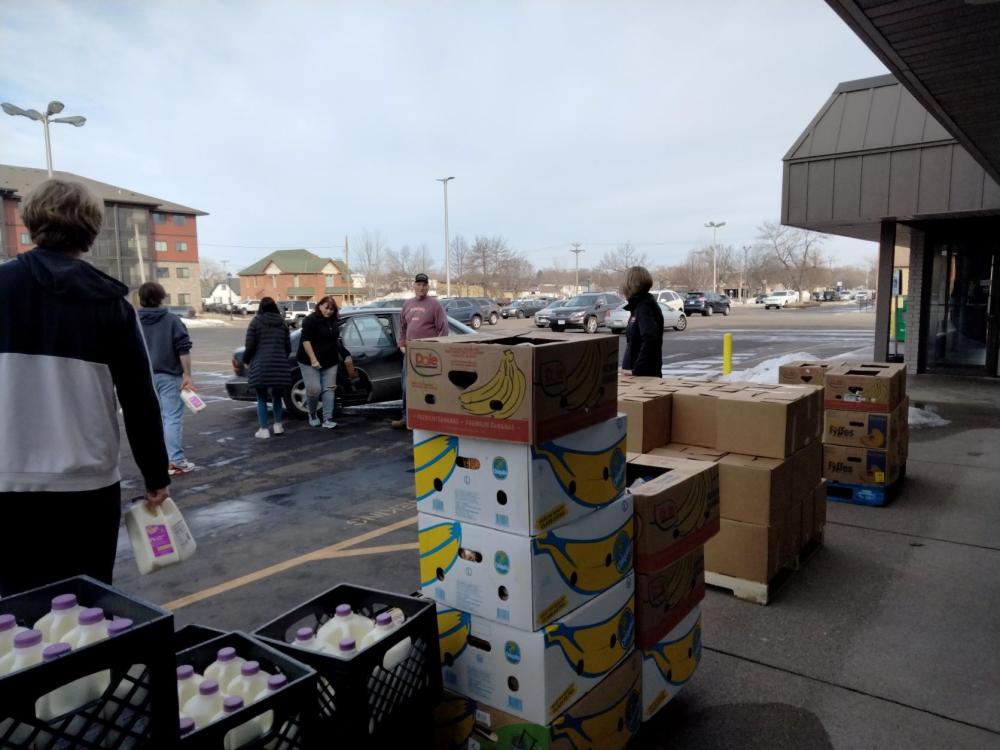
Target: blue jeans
<point>319,382</point>
<point>168,390</point>
<point>276,395</point>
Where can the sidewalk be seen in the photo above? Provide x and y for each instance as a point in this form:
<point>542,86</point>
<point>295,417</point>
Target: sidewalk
<point>888,636</point>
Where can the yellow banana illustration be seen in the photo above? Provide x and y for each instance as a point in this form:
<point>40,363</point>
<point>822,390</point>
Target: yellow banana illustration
<point>677,660</point>
<point>477,401</point>
<point>439,545</point>
<point>592,565</point>
<point>593,650</point>
<point>669,589</point>
<point>600,730</point>
<point>592,479</point>
<point>433,463</point>
<point>584,386</point>
<point>453,633</point>
<point>454,720</point>
<point>516,396</point>
<point>502,395</point>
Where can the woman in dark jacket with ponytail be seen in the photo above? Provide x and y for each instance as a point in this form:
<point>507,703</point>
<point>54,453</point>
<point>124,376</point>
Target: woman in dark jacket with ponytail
<point>267,349</point>
<point>644,333</point>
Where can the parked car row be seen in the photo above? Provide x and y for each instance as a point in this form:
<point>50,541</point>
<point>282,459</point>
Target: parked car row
<point>706,303</point>
<point>672,318</point>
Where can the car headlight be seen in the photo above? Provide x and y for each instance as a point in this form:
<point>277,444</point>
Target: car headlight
<point>576,316</point>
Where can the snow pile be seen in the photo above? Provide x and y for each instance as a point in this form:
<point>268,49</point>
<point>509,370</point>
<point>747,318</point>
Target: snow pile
<point>925,418</point>
<point>203,322</point>
<point>767,371</point>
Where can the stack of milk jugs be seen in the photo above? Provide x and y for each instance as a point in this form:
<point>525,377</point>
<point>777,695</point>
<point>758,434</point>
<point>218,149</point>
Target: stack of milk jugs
<point>525,534</point>
<point>66,627</point>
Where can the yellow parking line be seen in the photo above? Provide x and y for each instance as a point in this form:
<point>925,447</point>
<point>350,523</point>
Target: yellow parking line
<point>326,553</point>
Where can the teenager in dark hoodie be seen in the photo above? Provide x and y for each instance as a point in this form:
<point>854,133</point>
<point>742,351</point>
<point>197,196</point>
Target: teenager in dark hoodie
<point>169,349</point>
<point>644,333</point>
<point>69,343</point>
<point>267,348</point>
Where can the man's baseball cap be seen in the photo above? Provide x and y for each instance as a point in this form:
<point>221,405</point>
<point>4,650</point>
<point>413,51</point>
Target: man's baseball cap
<point>421,277</point>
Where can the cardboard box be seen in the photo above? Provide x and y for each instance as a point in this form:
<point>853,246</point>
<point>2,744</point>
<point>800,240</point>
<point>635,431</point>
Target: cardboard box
<point>819,509</point>
<point>676,511</point>
<point>862,465</point>
<point>745,550</point>
<point>691,452</point>
<point>694,419</point>
<point>754,489</point>
<point>771,423</point>
<point>520,488</point>
<point>607,717</point>
<point>664,598</point>
<point>791,532</point>
<point>803,373</point>
<point>808,515</point>
<point>873,387</point>
<point>524,388</point>
<point>807,469</point>
<point>668,665</point>
<point>525,581</point>
<point>538,675</point>
<point>648,419</point>
<point>866,429</point>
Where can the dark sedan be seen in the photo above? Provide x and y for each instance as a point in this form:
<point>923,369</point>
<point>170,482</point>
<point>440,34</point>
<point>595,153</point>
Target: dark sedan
<point>706,303</point>
<point>370,335</point>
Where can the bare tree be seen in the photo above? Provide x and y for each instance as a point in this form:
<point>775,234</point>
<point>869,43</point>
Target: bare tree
<point>461,258</point>
<point>212,273</point>
<point>619,260</point>
<point>797,252</point>
<point>372,255</point>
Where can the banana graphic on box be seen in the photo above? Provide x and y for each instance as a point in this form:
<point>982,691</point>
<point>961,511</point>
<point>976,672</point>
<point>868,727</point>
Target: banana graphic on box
<point>592,480</point>
<point>689,515</point>
<point>597,730</point>
<point>677,660</point>
<point>434,462</point>
<point>439,547</point>
<point>454,627</point>
<point>584,386</point>
<point>502,395</point>
<point>590,566</point>
<point>682,580</point>
<point>593,650</point>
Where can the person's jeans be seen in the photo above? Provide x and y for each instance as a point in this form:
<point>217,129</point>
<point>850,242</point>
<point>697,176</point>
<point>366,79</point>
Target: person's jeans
<point>168,390</point>
<point>322,381</point>
<point>276,396</point>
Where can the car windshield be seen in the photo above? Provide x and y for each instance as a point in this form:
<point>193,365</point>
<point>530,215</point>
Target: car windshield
<point>695,295</point>
<point>583,300</point>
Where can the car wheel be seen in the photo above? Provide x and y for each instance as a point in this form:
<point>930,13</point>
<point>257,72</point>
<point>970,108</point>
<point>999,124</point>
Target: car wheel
<point>725,310</point>
<point>476,323</point>
<point>682,323</point>
<point>295,400</point>
<point>494,318</point>
<point>590,325</point>
<point>519,314</point>
<point>709,310</point>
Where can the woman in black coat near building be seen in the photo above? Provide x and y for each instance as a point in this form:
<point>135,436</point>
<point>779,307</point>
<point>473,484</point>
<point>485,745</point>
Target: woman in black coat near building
<point>644,333</point>
<point>267,349</point>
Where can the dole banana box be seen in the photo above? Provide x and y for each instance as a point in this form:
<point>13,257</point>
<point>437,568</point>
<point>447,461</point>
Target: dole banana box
<point>521,388</point>
<point>538,675</point>
<point>860,386</point>
<point>668,665</point>
<point>525,581</point>
<point>607,717</point>
<point>524,489</point>
<point>676,509</point>
<point>692,452</point>
<point>865,429</point>
<point>665,597</point>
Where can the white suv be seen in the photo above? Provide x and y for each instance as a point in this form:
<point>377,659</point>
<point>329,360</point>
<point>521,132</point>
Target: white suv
<point>669,297</point>
<point>296,310</point>
<point>780,299</point>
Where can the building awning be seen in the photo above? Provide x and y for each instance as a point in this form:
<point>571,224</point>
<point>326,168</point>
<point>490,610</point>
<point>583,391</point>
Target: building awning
<point>337,290</point>
<point>301,291</point>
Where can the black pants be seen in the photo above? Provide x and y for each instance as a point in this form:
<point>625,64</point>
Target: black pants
<point>48,536</point>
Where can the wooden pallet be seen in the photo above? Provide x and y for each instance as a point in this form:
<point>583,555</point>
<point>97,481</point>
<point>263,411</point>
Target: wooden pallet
<point>762,593</point>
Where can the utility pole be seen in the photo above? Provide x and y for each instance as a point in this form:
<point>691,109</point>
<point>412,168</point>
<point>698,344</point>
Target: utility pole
<point>743,269</point>
<point>347,272</point>
<point>576,251</point>
<point>714,226</point>
<point>447,243</point>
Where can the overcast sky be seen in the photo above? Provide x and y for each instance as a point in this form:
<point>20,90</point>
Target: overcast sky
<point>294,124</point>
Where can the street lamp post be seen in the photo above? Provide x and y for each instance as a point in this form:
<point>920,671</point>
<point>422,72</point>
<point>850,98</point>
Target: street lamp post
<point>713,225</point>
<point>576,251</point>
<point>54,108</point>
<point>447,242</point>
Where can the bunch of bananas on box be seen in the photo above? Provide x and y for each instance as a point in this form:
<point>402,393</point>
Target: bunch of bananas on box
<point>502,395</point>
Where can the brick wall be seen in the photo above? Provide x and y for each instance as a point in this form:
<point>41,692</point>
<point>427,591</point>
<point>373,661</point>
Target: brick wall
<point>170,233</point>
<point>914,325</point>
<point>277,286</point>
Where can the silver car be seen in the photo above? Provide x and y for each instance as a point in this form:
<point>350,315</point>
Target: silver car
<point>619,317</point>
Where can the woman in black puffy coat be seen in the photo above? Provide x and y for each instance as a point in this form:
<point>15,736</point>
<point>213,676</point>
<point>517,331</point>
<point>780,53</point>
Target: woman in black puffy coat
<point>267,349</point>
<point>644,333</point>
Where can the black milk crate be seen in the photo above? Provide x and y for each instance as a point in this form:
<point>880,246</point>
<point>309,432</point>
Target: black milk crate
<point>292,706</point>
<point>139,707</point>
<point>358,700</point>
<point>194,635</point>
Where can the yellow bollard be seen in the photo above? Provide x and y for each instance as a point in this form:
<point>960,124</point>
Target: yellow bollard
<point>727,353</point>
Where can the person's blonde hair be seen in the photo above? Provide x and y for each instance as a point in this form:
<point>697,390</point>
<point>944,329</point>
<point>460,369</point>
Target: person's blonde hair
<point>63,216</point>
<point>637,281</point>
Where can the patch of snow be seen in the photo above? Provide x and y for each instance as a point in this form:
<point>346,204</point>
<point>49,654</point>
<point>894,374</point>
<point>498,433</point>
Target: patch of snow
<point>767,371</point>
<point>203,323</point>
<point>926,418</point>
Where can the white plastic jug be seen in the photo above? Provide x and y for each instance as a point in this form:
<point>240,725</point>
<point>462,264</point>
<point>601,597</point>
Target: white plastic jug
<point>384,626</point>
<point>274,683</point>
<point>242,734</point>
<point>192,400</point>
<point>60,619</point>
<point>187,683</point>
<point>159,537</point>
<point>204,706</point>
<point>249,683</point>
<point>27,652</point>
<point>8,630</point>
<point>186,725</point>
<point>348,623</point>
<point>225,668</point>
<point>64,699</point>
<point>346,649</point>
<point>91,627</point>
<point>306,638</point>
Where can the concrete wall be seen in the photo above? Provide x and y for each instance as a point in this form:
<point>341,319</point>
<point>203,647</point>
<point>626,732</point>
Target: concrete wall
<point>176,286</point>
<point>915,339</point>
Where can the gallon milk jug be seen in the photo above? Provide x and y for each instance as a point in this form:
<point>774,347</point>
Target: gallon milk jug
<point>346,649</point>
<point>8,630</point>
<point>345,623</point>
<point>116,627</point>
<point>384,625</point>
<point>274,683</point>
<point>62,700</point>
<point>192,401</point>
<point>250,682</point>
<point>186,726</point>
<point>187,683</point>
<point>242,734</point>
<point>60,619</point>
<point>159,537</point>
<point>27,652</point>
<point>91,627</point>
<point>225,668</point>
<point>306,638</point>
<point>203,707</point>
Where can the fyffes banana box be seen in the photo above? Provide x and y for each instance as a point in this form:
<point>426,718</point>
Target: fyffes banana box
<point>852,465</point>
<point>865,429</point>
<point>525,581</point>
<point>668,665</point>
<point>521,388</point>
<point>538,675</point>
<point>665,597</point>
<point>524,489</point>
<point>875,386</point>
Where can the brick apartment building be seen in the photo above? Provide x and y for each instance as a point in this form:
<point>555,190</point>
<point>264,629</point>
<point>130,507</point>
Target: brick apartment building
<point>295,274</point>
<point>168,234</point>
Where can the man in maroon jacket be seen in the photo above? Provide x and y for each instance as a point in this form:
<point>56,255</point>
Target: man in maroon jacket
<point>423,317</point>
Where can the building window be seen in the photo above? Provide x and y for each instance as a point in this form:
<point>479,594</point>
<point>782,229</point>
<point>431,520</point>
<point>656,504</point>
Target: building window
<point>159,218</point>
<point>183,299</point>
<point>160,246</point>
<point>162,273</point>
<point>295,280</point>
<point>182,247</point>
<point>274,282</point>
<point>179,219</point>
<point>166,300</point>
<point>329,279</point>
<point>183,272</point>
<point>25,238</point>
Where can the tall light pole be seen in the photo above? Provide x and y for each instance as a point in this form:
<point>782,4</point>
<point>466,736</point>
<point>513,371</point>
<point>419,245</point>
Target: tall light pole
<point>576,251</point>
<point>714,226</point>
<point>54,108</point>
<point>447,242</point>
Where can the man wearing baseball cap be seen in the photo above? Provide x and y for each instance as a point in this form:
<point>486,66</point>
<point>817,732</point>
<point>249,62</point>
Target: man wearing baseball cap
<point>422,318</point>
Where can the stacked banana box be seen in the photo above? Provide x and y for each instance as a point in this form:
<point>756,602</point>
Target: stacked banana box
<point>865,425</point>
<point>526,538</point>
